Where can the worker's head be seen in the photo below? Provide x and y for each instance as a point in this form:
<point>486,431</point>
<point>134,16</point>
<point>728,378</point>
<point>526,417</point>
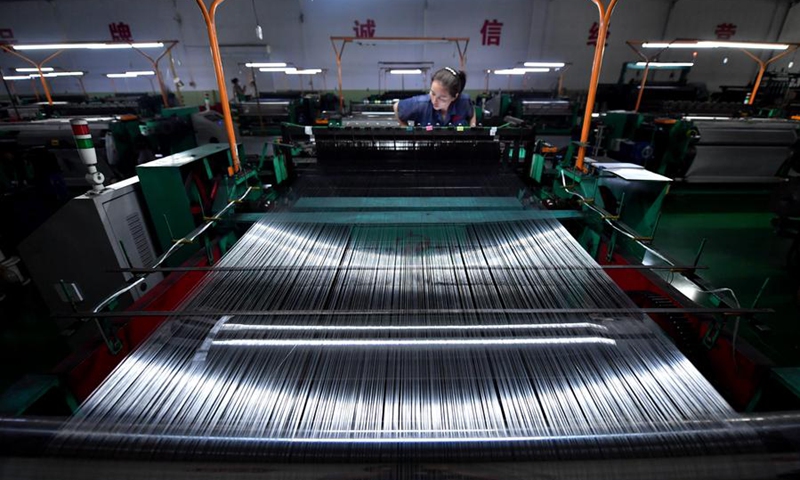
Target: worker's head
<point>446,86</point>
<point>235,81</point>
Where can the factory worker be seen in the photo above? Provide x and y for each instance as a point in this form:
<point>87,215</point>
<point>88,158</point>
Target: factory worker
<point>239,91</point>
<point>444,105</point>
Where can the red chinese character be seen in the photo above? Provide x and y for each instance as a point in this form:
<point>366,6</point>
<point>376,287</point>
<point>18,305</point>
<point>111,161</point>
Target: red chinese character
<point>6,34</point>
<point>491,32</point>
<point>366,29</point>
<point>120,32</point>
<point>725,31</point>
<point>594,32</point>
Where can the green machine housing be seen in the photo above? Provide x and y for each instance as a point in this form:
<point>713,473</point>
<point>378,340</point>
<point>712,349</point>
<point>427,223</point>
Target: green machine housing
<point>184,190</point>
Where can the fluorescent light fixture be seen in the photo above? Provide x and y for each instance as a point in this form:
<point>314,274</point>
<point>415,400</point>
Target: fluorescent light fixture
<point>90,46</point>
<point>545,64</point>
<point>18,77</point>
<point>33,70</point>
<point>46,75</point>
<point>715,44</point>
<point>273,69</point>
<point>265,65</point>
<point>671,45</point>
<point>409,71</point>
<point>60,74</point>
<point>749,45</point>
<point>665,65</point>
<point>134,74</point>
<point>520,71</point>
<point>307,71</point>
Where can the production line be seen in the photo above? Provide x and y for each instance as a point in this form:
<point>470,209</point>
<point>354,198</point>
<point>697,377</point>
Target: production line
<point>403,298</point>
<point>378,301</point>
<point>121,138</point>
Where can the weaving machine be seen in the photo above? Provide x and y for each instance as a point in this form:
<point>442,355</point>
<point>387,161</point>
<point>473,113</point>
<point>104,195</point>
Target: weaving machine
<point>376,110</point>
<point>405,311</point>
<point>704,150</point>
<point>264,115</point>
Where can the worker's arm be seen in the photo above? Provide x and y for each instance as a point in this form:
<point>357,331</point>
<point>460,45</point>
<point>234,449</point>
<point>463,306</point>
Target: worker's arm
<point>397,115</point>
<point>474,120</point>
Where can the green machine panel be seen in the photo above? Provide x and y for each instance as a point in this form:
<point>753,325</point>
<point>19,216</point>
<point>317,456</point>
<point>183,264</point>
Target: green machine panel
<point>180,191</point>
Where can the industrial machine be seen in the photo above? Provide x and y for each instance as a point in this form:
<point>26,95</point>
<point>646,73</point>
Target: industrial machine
<point>108,232</point>
<point>413,304</point>
<point>67,106</point>
<point>554,118</point>
<point>144,222</point>
<point>120,139</point>
<point>375,110</point>
<point>264,114</point>
<point>658,92</point>
<point>40,169</point>
<point>54,136</point>
<point>704,150</point>
<point>184,189</point>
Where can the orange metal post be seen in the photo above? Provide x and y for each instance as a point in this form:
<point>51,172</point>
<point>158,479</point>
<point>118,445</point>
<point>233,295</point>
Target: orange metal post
<point>38,66</point>
<point>560,90</point>
<point>154,63</point>
<point>462,55</point>
<point>641,87</point>
<point>44,85</point>
<point>762,68</point>
<point>339,69</point>
<point>41,75</point>
<point>605,16</point>
<point>209,16</point>
<point>646,70</point>
<point>164,96</point>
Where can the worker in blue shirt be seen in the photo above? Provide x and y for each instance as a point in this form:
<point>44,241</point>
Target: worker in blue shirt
<point>444,105</point>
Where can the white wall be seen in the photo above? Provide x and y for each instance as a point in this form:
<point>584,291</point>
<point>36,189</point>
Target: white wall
<point>299,31</point>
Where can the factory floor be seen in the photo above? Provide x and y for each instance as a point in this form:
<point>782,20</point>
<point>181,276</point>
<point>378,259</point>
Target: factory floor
<point>742,250</point>
<point>30,344</point>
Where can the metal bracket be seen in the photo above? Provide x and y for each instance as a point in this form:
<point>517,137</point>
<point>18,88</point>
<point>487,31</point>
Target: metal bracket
<point>713,333</point>
<point>113,343</point>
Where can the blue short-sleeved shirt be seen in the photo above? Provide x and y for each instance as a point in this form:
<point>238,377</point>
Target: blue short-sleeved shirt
<point>420,110</point>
